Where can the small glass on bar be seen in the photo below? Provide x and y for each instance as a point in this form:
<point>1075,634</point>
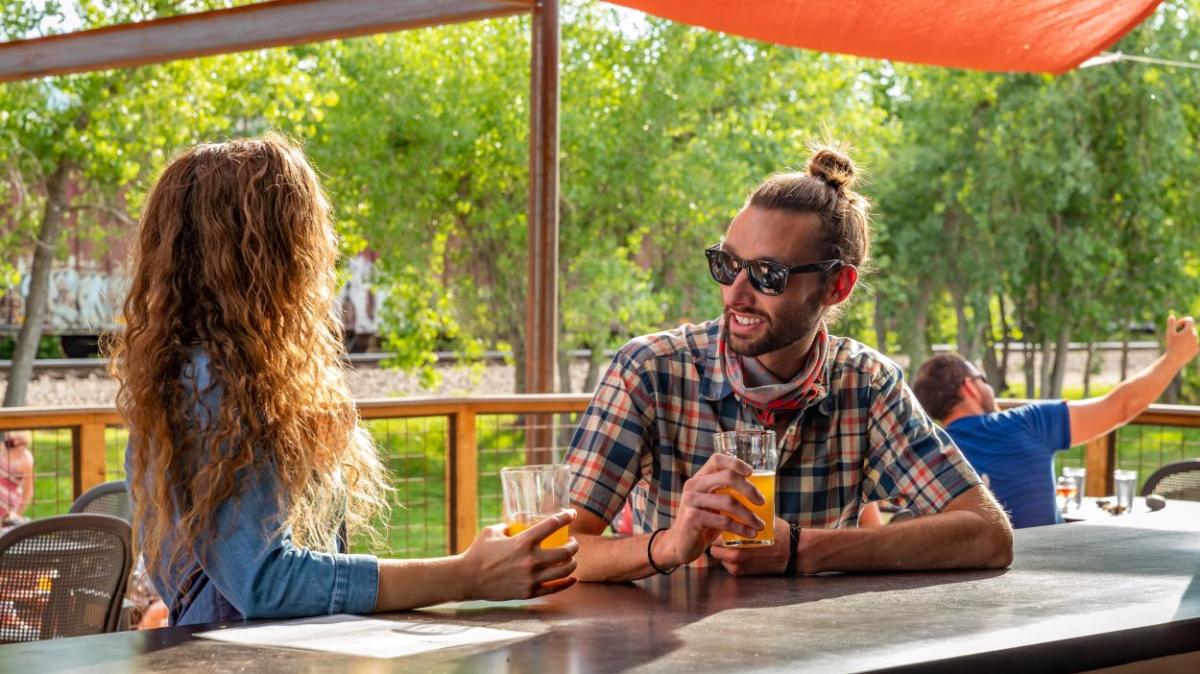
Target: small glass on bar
<point>533,493</point>
<point>757,448</point>
<point>1080,477</point>
<point>1066,490</point>
<point>1125,482</point>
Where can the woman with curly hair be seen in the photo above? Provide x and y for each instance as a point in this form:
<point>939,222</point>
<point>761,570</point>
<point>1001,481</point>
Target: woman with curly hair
<point>245,452</point>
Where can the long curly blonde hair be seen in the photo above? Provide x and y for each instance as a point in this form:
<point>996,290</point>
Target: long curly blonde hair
<point>235,256</point>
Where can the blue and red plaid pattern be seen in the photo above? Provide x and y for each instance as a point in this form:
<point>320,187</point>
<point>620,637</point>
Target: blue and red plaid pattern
<point>651,421</point>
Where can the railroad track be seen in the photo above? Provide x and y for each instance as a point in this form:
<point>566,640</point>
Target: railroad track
<point>82,367</point>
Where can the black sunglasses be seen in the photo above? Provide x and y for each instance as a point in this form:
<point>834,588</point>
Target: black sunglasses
<point>767,277</point>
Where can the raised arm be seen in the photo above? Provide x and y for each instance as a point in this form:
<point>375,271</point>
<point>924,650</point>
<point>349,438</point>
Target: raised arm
<point>1094,417</point>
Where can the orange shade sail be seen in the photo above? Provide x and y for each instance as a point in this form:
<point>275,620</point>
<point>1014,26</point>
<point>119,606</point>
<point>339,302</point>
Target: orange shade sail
<point>1002,35</point>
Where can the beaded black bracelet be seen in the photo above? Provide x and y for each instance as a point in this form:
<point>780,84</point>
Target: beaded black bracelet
<point>793,552</point>
<point>650,555</point>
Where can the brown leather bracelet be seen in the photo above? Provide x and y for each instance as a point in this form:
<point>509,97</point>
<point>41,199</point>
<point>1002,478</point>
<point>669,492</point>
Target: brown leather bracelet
<point>793,551</point>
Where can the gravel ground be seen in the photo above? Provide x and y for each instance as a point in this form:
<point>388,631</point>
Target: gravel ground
<point>465,381</point>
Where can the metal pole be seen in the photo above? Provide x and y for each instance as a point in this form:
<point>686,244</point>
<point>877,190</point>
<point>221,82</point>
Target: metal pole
<point>541,300</point>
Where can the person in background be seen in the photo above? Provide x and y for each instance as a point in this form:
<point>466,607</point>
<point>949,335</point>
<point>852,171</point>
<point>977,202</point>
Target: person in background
<point>16,477</point>
<point>1015,448</point>
<point>245,452</point>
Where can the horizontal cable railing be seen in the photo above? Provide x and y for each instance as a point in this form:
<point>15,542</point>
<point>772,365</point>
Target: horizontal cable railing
<point>445,456</point>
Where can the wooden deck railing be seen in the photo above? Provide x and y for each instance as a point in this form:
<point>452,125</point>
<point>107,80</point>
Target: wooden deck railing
<point>87,427</point>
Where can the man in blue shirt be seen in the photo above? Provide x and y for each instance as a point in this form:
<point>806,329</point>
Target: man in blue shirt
<point>1014,449</point>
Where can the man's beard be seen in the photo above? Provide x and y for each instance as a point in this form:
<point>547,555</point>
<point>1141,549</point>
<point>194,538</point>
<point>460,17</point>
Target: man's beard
<point>781,331</point>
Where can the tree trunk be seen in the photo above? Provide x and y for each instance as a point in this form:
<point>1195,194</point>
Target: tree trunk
<point>880,327</point>
<point>564,370</point>
<point>1045,367</point>
<point>1088,363</point>
<point>518,351</point>
<point>593,371</point>
<point>1061,350</point>
<point>39,287</point>
<point>1006,337</point>
<point>963,334</point>
<point>991,367</point>
<point>918,347</point>
<point>1030,370</point>
<point>1125,355</point>
<point>1171,395</point>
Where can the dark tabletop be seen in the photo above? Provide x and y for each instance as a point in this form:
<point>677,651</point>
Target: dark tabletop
<point>1076,598</point>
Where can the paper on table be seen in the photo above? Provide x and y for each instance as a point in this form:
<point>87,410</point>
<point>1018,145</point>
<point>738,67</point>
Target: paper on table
<point>370,637</point>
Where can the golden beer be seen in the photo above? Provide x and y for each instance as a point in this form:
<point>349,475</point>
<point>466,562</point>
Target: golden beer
<point>559,538</point>
<point>764,481</point>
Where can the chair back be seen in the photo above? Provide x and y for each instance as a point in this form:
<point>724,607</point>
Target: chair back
<point>63,576</point>
<point>1178,480</point>
<point>110,498</point>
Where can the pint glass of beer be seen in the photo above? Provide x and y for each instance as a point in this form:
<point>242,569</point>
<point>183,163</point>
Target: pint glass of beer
<point>756,448</point>
<point>533,493</point>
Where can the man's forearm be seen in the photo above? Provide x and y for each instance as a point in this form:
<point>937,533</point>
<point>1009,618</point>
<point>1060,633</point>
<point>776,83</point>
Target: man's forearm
<point>614,559</point>
<point>948,540</point>
<point>1139,391</point>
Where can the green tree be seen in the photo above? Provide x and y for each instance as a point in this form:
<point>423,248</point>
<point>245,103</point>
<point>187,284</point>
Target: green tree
<point>81,149</point>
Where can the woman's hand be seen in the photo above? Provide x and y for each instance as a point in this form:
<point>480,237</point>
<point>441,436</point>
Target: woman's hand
<point>498,567</point>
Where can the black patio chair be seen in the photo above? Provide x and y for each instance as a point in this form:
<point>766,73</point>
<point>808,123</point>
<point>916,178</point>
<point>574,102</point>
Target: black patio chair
<point>1179,480</point>
<point>110,498</point>
<point>63,576</point>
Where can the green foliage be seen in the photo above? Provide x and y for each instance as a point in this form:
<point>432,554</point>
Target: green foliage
<point>1059,196</point>
<point>48,347</point>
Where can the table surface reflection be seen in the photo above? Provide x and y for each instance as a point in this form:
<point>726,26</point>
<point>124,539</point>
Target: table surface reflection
<point>1075,598</point>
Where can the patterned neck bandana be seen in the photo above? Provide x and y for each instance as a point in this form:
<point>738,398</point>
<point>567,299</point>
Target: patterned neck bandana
<point>771,395</point>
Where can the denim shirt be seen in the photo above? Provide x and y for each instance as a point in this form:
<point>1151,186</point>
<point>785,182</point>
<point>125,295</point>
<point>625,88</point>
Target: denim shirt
<point>250,569</point>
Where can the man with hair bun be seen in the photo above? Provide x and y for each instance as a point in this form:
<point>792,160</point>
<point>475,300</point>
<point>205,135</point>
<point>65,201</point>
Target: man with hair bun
<point>849,429</point>
<point>1015,448</point>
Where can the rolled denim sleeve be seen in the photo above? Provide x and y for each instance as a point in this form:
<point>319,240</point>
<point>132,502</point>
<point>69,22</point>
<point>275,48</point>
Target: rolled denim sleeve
<point>264,574</point>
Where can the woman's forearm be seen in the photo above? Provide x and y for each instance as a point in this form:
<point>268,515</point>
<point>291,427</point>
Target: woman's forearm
<point>410,583</point>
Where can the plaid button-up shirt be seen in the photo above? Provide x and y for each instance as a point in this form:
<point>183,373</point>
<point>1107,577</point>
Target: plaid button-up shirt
<point>651,421</point>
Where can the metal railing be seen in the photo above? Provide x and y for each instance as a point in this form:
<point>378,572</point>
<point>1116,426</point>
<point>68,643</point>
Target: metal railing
<point>445,455</point>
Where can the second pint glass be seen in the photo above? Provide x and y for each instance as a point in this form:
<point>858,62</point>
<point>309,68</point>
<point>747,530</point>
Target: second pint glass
<point>533,493</point>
